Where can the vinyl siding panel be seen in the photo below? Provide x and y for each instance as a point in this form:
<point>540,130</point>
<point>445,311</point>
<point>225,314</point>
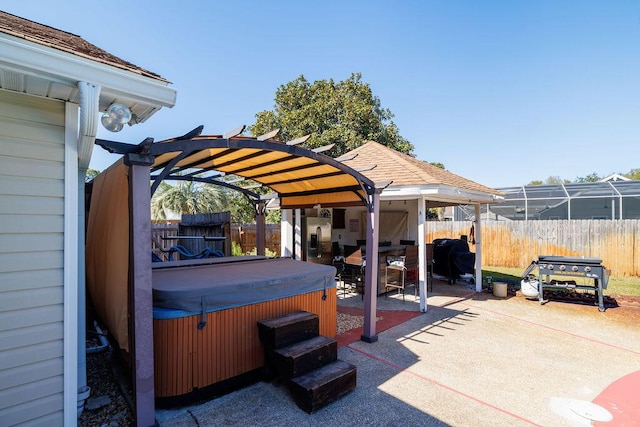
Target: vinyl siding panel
<point>30,392</point>
<point>30,186</point>
<point>26,413</point>
<point>20,300</point>
<point>24,280</point>
<point>26,242</point>
<point>28,336</point>
<point>31,259</point>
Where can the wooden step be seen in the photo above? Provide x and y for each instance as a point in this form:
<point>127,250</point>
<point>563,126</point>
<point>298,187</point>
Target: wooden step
<point>323,385</point>
<point>286,330</point>
<point>305,356</point>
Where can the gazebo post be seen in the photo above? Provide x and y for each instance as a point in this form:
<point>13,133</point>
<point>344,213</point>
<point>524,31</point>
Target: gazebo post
<point>371,270</point>
<point>478,238</point>
<point>422,249</point>
<point>260,227</point>
<point>140,288</point>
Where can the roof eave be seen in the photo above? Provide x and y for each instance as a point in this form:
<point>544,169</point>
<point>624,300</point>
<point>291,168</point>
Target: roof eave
<point>442,193</point>
<point>37,60</point>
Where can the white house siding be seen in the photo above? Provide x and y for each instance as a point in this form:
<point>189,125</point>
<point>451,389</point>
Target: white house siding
<point>31,259</point>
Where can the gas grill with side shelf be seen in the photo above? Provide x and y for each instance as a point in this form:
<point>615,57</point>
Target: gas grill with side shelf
<point>590,268</point>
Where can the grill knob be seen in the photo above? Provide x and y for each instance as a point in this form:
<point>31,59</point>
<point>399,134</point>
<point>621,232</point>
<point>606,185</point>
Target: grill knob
<point>563,268</point>
<point>587,269</point>
<point>550,266</point>
<point>574,268</point>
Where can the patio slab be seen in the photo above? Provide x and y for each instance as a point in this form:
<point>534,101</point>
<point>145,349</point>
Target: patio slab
<point>471,359</point>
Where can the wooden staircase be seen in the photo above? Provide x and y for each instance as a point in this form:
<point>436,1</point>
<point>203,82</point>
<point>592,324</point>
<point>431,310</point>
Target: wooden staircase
<point>307,361</point>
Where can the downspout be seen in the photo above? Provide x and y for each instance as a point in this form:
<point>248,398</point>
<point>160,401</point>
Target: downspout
<point>88,129</point>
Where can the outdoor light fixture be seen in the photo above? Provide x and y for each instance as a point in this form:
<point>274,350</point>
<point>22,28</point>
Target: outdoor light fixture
<point>115,117</point>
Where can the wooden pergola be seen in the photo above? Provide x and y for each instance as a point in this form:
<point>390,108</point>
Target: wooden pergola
<point>299,177</point>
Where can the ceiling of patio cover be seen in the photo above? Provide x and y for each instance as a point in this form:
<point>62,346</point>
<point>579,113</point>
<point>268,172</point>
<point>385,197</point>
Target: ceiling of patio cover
<point>301,177</point>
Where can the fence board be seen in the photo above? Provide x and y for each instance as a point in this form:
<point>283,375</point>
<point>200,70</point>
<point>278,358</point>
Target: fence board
<point>517,243</point>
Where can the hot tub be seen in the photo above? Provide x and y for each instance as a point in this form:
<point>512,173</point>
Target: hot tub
<point>206,313</point>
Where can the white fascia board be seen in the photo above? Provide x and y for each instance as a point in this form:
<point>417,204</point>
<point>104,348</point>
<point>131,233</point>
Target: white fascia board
<point>400,193</point>
<point>457,195</point>
<point>38,60</point>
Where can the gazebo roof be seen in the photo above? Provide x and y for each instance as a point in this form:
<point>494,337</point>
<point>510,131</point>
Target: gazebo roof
<point>413,178</point>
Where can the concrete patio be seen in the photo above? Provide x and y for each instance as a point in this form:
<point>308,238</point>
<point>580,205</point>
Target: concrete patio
<point>471,359</point>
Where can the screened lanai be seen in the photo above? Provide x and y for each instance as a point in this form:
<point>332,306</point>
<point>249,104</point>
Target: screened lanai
<point>593,200</point>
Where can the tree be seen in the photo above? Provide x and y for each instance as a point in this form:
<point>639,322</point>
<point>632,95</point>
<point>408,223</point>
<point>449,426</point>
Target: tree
<point>344,113</point>
<point>187,197</point>
<point>633,174</point>
<point>243,210</point>
<point>91,174</point>
<point>550,181</point>
<point>592,177</point>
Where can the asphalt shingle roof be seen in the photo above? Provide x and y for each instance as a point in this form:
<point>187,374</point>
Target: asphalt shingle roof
<point>66,42</point>
<point>405,170</point>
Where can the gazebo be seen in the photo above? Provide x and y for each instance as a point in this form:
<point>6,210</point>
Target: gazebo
<point>419,186</point>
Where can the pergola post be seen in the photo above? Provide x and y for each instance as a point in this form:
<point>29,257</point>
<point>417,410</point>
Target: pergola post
<point>140,288</point>
<point>260,227</point>
<point>371,270</point>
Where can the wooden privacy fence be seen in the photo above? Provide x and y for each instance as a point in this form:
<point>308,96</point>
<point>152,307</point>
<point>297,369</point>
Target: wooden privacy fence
<point>517,243</point>
<point>159,246</point>
<point>245,236</point>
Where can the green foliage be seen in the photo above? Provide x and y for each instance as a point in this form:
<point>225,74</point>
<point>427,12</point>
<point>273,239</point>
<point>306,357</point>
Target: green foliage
<point>345,113</point>
<point>267,252</point>
<point>633,174</point>
<point>550,181</point>
<point>236,249</point>
<point>274,216</point>
<point>438,165</point>
<point>187,197</point>
<point>592,177</point>
<point>243,210</point>
<point>91,174</point>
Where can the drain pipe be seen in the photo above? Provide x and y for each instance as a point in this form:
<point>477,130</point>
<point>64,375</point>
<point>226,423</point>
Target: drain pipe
<point>104,343</point>
<point>88,129</point>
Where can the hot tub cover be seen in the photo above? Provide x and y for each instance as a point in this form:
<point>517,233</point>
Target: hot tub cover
<point>213,287</point>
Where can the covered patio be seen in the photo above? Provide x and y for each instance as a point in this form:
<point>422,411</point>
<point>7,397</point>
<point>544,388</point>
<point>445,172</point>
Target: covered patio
<point>415,187</point>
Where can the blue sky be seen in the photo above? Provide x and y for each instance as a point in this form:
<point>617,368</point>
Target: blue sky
<point>500,92</point>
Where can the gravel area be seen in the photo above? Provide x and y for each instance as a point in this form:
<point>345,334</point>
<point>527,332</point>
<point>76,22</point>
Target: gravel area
<point>106,405</point>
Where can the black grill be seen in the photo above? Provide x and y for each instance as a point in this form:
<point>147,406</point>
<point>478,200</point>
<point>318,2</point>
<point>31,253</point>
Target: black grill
<point>568,267</point>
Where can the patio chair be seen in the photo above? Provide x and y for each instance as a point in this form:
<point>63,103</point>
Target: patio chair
<point>403,264</point>
<point>354,267</point>
<point>429,265</point>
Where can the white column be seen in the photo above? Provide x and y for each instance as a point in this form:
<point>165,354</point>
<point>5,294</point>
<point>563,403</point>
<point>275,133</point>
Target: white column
<point>297,235</point>
<point>286,233</point>
<point>422,256</point>
<point>478,237</point>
